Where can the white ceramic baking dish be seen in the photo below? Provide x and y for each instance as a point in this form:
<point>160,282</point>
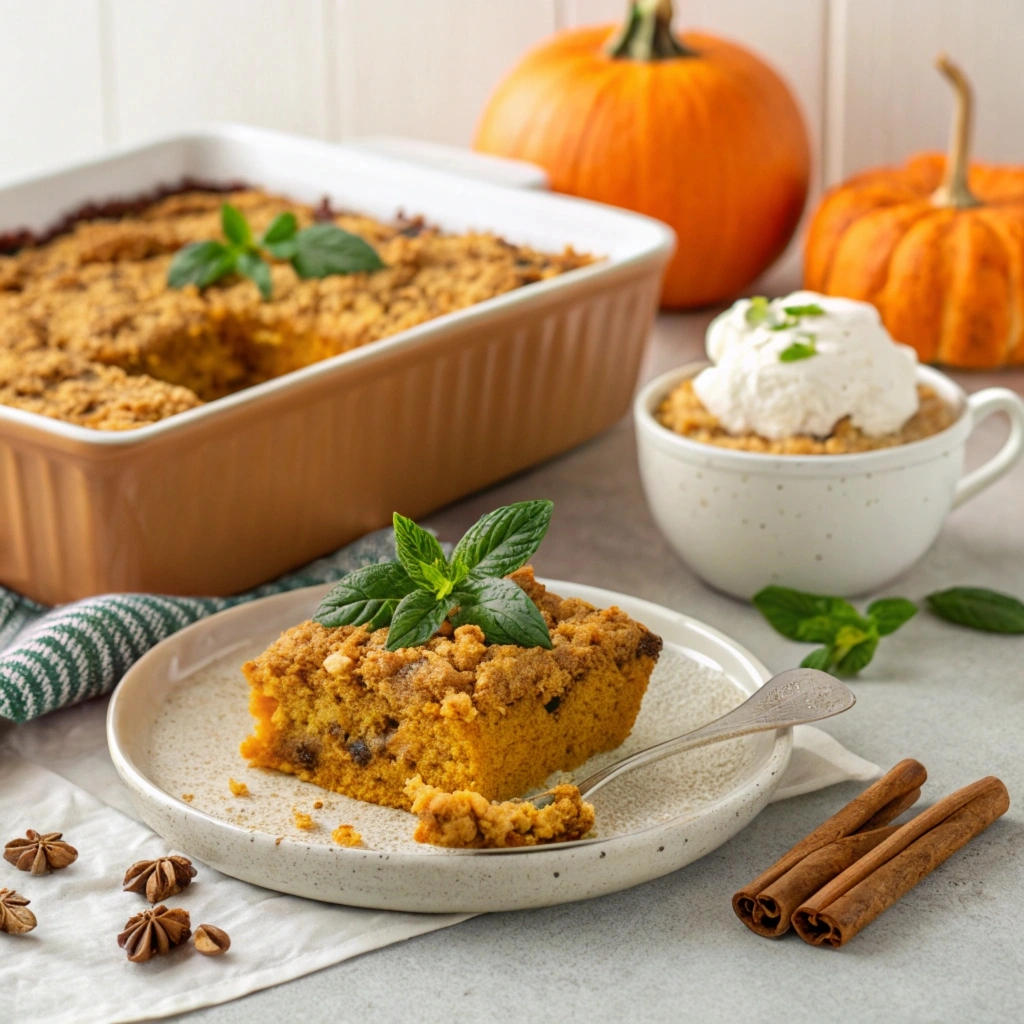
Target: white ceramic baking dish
<point>227,495</point>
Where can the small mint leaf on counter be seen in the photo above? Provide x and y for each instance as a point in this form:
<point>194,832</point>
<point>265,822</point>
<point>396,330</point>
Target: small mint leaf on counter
<point>820,659</point>
<point>890,613</point>
<point>979,608</point>
<point>786,609</point>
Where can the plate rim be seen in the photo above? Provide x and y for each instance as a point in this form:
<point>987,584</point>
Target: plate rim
<point>135,778</point>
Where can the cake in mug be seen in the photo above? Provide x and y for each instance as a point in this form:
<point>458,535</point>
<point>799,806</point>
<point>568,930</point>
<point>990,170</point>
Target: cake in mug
<point>806,374</point>
<point>472,706</point>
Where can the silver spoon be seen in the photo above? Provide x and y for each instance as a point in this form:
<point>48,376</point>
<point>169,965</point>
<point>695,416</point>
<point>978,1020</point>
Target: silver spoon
<point>793,697</point>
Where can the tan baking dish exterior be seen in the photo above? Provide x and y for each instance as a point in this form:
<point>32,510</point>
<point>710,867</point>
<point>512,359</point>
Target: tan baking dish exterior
<point>224,497</point>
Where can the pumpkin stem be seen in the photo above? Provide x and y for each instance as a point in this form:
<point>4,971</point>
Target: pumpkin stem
<point>647,34</point>
<point>954,190</point>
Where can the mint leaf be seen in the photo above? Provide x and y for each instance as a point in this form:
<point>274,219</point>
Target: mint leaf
<point>200,263</point>
<point>503,611</point>
<point>811,309</point>
<point>415,548</point>
<point>820,659</point>
<point>798,350</point>
<point>786,610</point>
<point>367,596</point>
<point>282,227</point>
<point>235,227</point>
<point>438,579</point>
<point>857,657</point>
<point>890,613</point>
<point>258,271</point>
<point>979,608</point>
<point>820,629</point>
<point>325,249</point>
<point>283,250</point>
<point>757,311</point>
<point>504,540</point>
<point>417,618</point>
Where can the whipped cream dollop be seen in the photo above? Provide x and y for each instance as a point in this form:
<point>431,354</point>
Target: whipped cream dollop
<point>800,364</point>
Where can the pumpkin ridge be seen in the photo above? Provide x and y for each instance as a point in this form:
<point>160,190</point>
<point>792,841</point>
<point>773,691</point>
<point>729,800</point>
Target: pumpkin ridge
<point>1013,249</point>
<point>873,234</point>
<point>977,298</point>
<point>918,272</point>
<point>592,134</point>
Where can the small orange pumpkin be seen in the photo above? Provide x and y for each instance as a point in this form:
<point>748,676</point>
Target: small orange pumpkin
<point>938,250</point>
<point>692,130</point>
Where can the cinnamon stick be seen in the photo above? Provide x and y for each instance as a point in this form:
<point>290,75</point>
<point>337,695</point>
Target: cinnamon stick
<point>852,900</point>
<point>766,907</point>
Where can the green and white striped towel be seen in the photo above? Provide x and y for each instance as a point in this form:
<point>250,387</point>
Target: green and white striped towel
<point>52,658</point>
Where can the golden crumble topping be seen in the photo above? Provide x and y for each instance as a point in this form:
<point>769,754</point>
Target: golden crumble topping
<point>684,413</point>
<point>98,295</point>
<point>336,708</point>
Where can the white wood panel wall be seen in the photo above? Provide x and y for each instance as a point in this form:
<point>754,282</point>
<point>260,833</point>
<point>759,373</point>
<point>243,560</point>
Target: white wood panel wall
<point>885,100</point>
<point>77,76</point>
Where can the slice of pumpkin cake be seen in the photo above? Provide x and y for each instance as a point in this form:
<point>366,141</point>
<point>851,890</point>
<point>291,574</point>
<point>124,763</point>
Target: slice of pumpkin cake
<point>488,684</point>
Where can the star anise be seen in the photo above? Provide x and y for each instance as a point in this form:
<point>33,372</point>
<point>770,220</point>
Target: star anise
<point>154,931</point>
<point>160,878</point>
<point>15,917</point>
<point>40,854</point>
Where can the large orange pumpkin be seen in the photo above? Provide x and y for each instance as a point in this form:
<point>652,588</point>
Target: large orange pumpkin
<point>692,130</point>
<point>938,250</point>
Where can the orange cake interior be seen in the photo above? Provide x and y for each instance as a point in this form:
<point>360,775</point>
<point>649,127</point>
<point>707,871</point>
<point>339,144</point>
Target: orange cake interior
<point>337,709</point>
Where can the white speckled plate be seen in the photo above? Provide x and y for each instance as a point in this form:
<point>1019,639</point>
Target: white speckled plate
<point>177,718</point>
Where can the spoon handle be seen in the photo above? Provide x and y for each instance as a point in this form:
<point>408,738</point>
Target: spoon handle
<point>790,698</point>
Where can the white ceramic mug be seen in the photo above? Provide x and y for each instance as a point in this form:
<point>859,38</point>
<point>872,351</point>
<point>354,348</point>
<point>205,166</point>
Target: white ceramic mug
<point>831,524</point>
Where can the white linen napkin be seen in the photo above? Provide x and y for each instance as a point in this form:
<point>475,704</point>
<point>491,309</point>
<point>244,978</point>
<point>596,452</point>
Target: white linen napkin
<point>55,773</point>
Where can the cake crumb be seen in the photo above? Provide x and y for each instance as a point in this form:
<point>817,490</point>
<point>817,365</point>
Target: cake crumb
<point>278,840</point>
<point>346,835</point>
<point>468,820</point>
<point>238,788</point>
<point>317,805</point>
<point>335,664</point>
<point>188,797</point>
<point>303,821</point>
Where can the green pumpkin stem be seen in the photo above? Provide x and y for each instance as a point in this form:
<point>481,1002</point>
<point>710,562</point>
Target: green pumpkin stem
<point>647,34</point>
<point>954,190</point>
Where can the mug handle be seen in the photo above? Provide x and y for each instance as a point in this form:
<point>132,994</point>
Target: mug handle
<point>980,406</point>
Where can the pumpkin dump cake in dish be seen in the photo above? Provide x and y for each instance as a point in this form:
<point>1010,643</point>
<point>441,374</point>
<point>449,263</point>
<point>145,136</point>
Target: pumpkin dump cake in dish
<point>142,311</point>
<point>804,375</point>
<point>501,684</point>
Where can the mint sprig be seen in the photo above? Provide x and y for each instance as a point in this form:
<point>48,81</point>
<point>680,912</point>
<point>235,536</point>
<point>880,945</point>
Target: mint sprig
<point>850,639</point>
<point>317,251</point>
<point>414,595</point>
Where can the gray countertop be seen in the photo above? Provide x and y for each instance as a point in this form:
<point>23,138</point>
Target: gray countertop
<point>672,949</point>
